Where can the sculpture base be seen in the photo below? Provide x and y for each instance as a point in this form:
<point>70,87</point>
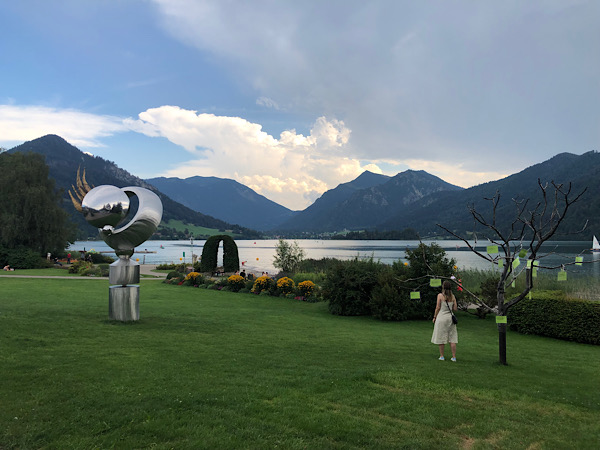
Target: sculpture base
<point>124,303</point>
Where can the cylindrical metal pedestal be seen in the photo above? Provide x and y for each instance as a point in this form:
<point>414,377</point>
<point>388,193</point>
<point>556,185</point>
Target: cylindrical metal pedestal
<point>124,303</point>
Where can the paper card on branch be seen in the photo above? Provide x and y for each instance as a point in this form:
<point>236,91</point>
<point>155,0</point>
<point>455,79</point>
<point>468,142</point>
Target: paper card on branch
<point>529,264</point>
<point>534,273</point>
<point>516,262</point>
<point>500,263</point>
<point>562,275</point>
<point>513,284</point>
<point>536,263</point>
<point>578,260</point>
<point>415,295</point>
<point>492,249</point>
<point>501,319</point>
<point>523,253</point>
<point>435,282</point>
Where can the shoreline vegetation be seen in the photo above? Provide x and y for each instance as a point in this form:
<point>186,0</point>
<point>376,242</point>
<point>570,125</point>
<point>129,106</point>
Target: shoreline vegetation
<point>216,369</point>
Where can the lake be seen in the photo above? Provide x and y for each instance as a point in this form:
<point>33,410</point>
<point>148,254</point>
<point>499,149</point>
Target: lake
<point>258,255</point>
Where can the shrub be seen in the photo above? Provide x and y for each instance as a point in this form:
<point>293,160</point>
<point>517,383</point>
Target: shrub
<point>285,285</point>
<point>316,265</point>
<point>349,284</point>
<point>99,258</point>
<point>236,283</point>
<point>316,278</point>
<point>306,288</point>
<point>263,283</point>
<point>391,298</point>
<point>80,266</point>
<point>571,320</point>
<point>174,274</point>
<point>22,258</point>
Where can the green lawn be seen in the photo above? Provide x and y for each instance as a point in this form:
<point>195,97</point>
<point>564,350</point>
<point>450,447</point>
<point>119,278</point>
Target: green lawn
<point>49,272</point>
<point>209,369</point>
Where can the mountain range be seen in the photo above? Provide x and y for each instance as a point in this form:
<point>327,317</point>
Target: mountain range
<point>64,160</point>
<point>410,199</point>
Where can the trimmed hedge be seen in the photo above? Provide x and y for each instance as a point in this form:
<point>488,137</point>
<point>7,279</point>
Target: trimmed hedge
<point>570,320</point>
<point>231,259</point>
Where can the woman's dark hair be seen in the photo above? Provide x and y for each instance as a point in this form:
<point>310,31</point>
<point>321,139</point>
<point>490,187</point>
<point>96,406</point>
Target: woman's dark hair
<point>447,290</point>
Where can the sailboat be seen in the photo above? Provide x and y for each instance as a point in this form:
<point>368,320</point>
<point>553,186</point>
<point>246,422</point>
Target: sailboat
<point>595,245</point>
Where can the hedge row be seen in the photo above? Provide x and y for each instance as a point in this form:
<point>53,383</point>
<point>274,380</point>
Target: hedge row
<point>570,320</point>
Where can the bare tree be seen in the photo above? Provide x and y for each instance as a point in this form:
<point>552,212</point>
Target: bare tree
<point>530,228</point>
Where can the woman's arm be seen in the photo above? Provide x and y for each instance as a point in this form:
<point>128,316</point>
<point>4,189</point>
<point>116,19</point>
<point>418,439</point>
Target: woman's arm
<point>437,307</point>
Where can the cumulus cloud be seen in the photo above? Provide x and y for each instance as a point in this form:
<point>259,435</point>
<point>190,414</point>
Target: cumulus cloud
<point>23,123</point>
<point>400,74</point>
<point>292,170</point>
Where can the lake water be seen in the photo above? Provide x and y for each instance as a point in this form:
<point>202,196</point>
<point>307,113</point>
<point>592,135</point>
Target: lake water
<point>258,255</point>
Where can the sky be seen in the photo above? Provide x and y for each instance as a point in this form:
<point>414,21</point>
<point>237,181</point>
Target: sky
<point>292,98</point>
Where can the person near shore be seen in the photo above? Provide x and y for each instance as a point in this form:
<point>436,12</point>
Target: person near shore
<point>8,268</point>
<point>444,331</point>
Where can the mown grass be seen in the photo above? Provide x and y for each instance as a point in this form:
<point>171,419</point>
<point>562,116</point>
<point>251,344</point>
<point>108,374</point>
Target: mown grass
<point>48,272</point>
<point>209,369</point>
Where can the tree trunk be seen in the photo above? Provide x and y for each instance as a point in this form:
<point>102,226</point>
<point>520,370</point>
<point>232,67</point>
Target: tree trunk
<point>502,312</point>
<point>502,343</point>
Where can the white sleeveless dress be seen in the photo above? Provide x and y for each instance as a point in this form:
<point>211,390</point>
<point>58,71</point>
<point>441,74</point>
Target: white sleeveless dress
<point>444,331</point>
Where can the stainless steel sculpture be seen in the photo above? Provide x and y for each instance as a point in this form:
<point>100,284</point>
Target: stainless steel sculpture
<point>105,207</point>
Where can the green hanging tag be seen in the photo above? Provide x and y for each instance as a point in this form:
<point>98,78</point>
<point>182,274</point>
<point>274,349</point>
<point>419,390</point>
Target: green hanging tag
<point>579,260</point>
<point>536,263</point>
<point>415,295</point>
<point>523,253</point>
<point>513,284</point>
<point>435,282</point>
<point>501,319</point>
<point>516,263</point>
<point>529,264</point>
<point>529,295</point>
<point>500,263</point>
<point>562,275</point>
<point>492,249</point>
<point>534,273</point>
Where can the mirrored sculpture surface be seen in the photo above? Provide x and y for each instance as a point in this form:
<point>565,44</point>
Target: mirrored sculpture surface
<point>105,207</point>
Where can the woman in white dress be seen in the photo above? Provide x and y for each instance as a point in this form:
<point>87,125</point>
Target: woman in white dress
<point>444,331</point>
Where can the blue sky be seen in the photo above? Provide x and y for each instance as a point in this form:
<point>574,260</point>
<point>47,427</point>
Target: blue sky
<point>292,98</point>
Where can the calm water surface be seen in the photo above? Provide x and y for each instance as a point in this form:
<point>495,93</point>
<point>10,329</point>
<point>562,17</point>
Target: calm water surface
<point>258,255</point>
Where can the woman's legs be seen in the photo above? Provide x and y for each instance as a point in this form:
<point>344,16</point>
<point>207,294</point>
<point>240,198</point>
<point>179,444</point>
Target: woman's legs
<point>453,348</point>
<point>442,346</point>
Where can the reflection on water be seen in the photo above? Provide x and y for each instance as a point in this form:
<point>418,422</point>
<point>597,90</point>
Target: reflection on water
<point>258,255</point>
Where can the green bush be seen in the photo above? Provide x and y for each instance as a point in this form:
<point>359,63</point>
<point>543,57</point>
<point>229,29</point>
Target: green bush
<point>79,267</point>
<point>99,258</point>
<point>22,258</point>
<point>391,300</point>
<point>174,274</point>
<point>316,265</point>
<point>348,286</point>
<point>570,320</point>
<point>315,277</point>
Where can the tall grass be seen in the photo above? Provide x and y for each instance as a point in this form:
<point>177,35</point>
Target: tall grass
<point>210,369</point>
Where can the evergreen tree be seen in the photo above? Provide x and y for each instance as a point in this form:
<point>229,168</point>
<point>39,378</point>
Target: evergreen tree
<point>30,208</point>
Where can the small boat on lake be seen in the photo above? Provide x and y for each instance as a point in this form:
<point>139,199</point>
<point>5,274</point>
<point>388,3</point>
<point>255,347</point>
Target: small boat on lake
<point>595,245</point>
